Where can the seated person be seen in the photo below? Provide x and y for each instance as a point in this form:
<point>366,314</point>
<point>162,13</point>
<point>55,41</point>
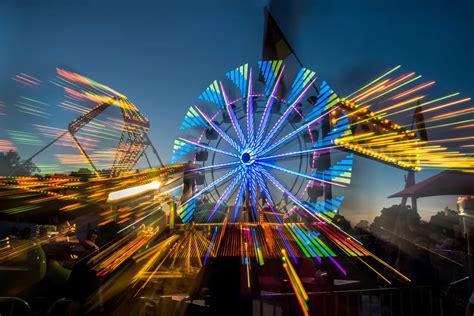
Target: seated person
<point>90,243</point>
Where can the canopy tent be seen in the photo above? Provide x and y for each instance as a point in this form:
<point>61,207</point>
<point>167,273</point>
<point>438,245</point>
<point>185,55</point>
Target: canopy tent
<point>449,182</point>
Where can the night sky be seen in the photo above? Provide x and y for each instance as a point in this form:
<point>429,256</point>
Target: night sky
<point>162,54</point>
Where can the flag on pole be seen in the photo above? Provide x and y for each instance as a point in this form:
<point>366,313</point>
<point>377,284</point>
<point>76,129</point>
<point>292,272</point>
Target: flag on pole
<point>419,122</point>
<point>275,45</point>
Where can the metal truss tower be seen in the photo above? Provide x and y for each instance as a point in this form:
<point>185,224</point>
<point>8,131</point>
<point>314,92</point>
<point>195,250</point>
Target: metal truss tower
<point>133,141</point>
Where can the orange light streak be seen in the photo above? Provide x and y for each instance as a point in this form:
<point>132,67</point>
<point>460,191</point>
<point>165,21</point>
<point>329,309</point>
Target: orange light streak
<point>412,90</point>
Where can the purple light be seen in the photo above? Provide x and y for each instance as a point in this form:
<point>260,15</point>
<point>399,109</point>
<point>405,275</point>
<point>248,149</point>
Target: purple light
<point>282,188</point>
<point>238,200</point>
<point>294,133</point>
<point>275,213</point>
<point>208,147</point>
<point>224,196</point>
<point>223,165</point>
<point>287,245</point>
<point>280,121</point>
<point>219,131</point>
<point>214,183</point>
<point>233,118</point>
<point>299,174</point>
<point>297,153</point>
<point>210,245</point>
<point>250,134</point>
<point>268,106</point>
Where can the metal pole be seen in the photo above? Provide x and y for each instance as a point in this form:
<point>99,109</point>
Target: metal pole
<point>85,154</point>
<point>41,150</point>
<point>409,181</point>
<point>154,150</point>
<point>147,160</point>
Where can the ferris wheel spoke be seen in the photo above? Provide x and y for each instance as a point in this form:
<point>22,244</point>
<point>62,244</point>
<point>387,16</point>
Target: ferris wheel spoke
<point>295,133</point>
<point>268,106</point>
<point>269,165</point>
<point>219,131</point>
<point>253,192</point>
<point>217,150</point>
<point>215,167</point>
<point>277,215</point>
<point>214,184</point>
<point>295,200</point>
<point>270,201</point>
<point>298,153</point>
<point>285,115</point>
<point>250,129</point>
<point>238,199</point>
<point>233,118</point>
<point>263,186</point>
<point>225,195</point>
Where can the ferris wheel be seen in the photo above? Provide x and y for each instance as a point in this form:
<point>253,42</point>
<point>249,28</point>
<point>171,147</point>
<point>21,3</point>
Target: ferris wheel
<point>261,142</point>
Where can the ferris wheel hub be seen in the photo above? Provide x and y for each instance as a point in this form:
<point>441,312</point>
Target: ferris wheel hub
<point>247,157</point>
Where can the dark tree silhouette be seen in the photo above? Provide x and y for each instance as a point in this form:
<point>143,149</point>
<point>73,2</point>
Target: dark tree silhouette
<point>396,219</point>
<point>444,222</point>
<point>362,226</point>
<point>342,222</point>
<point>84,173</point>
<point>12,165</point>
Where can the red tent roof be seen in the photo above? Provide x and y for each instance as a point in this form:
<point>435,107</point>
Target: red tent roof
<point>449,182</point>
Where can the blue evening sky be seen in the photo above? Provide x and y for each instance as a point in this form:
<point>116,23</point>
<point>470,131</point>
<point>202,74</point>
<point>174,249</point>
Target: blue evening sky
<point>161,54</point>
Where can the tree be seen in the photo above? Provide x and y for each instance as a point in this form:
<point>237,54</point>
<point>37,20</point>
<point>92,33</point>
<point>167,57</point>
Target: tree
<point>444,222</point>
<point>362,226</point>
<point>342,222</point>
<point>12,165</point>
<point>398,219</point>
<point>84,173</point>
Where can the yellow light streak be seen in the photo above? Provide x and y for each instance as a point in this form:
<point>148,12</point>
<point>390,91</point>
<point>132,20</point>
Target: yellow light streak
<point>393,89</point>
<point>370,91</point>
<point>410,91</point>
<point>400,104</point>
<point>126,193</point>
<point>445,105</point>
<point>464,126</point>
<point>375,80</point>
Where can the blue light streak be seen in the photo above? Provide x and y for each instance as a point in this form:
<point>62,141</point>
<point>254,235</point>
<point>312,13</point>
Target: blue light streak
<point>214,167</point>
<point>288,247</point>
<point>282,119</point>
<point>233,118</point>
<point>250,132</point>
<point>268,106</point>
<point>299,174</point>
<point>217,150</point>
<point>295,133</point>
<point>282,188</point>
<point>213,184</point>
<point>238,200</point>
<point>219,131</point>
<point>210,245</point>
<point>224,196</point>
<point>298,153</point>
